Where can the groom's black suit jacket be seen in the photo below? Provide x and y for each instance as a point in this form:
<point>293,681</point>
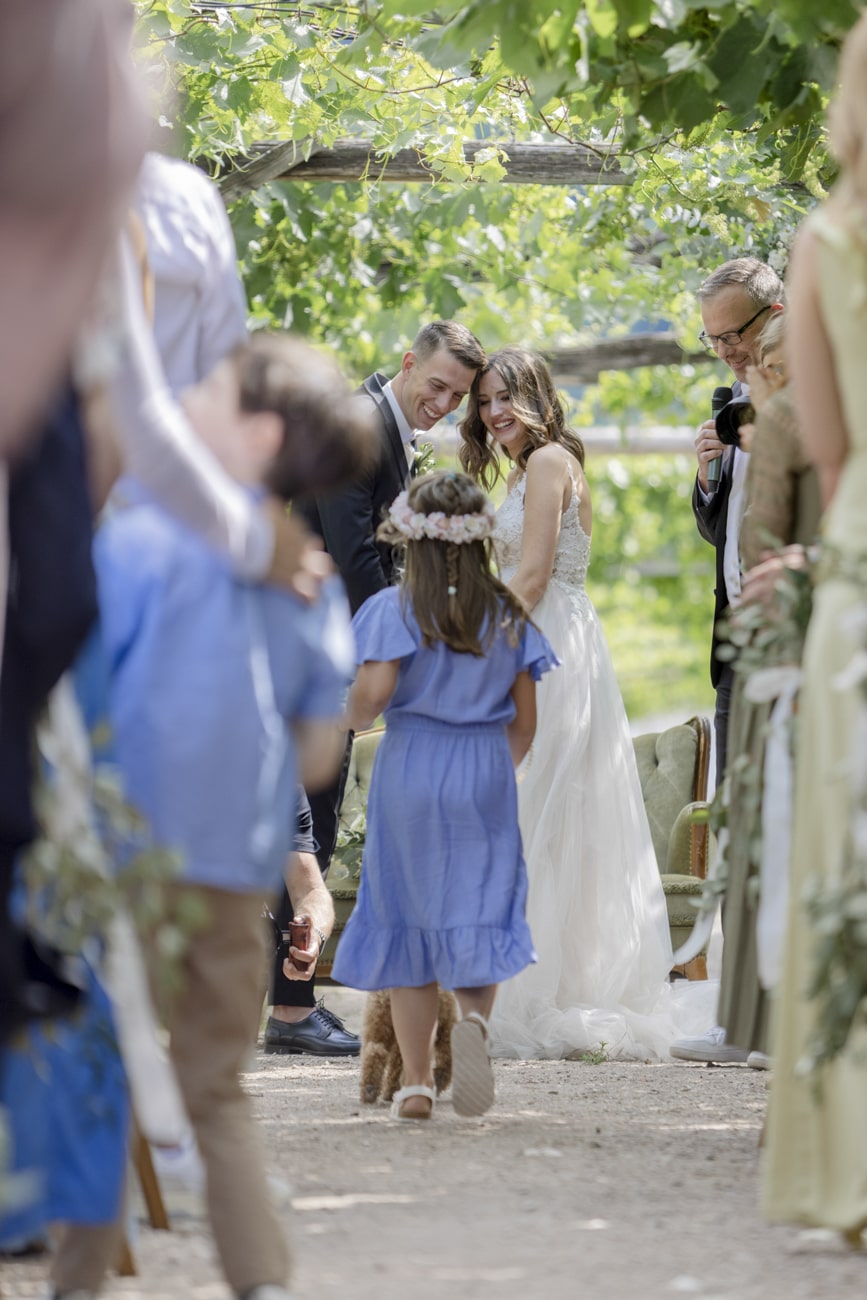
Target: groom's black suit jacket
<point>347,519</point>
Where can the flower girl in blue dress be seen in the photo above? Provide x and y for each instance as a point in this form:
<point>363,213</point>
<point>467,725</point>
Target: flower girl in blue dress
<point>451,658</point>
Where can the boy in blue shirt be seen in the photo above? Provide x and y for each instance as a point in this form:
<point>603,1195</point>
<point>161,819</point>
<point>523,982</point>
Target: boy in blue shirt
<point>223,695</point>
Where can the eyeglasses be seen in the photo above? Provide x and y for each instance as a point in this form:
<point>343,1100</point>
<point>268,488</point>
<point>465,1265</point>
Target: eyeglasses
<point>731,338</point>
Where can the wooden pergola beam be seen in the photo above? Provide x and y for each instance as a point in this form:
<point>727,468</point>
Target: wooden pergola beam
<point>354,160</point>
<point>526,164</point>
<point>582,365</point>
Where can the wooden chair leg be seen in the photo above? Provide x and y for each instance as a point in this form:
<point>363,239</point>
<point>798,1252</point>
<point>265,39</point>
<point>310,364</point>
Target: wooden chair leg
<point>149,1183</point>
<point>126,1260</point>
<point>157,1216</point>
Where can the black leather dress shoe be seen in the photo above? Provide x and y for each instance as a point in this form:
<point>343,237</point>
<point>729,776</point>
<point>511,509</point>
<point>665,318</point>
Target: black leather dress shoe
<point>322,1033</point>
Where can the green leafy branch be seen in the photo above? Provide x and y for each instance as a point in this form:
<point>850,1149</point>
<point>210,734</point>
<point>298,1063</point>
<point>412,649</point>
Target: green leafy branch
<point>350,848</point>
<point>95,857</point>
<point>757,640</point>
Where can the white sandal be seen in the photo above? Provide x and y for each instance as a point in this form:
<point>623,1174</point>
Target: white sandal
<point>413,1090</point>
<point>472,1075</point>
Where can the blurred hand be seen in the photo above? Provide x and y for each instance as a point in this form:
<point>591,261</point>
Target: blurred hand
<point>299,562</point>
<point>760,583</point>
<point>763,382</point>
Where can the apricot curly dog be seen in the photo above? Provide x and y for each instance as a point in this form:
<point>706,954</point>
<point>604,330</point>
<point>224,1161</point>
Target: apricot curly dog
<point>381,1063</point>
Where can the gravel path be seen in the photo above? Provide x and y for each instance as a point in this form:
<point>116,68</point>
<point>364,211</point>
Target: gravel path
<point>606,1181</point>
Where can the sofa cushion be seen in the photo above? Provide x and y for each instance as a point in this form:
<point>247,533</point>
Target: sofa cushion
<point>354,803</point>
<point>666,769</point>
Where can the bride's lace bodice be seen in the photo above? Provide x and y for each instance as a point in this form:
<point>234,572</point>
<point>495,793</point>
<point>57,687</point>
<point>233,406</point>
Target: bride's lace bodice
<point>572,557</point>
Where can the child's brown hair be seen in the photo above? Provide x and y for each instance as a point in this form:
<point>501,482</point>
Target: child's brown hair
<point>329,433</point>
<point>455,596</point>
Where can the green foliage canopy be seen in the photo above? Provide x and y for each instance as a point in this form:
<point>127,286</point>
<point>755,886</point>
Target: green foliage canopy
<point>713,110</point>
<point>646,68</point>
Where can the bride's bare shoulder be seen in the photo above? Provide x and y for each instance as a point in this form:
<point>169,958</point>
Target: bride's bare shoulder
<point>580,477</point>
<point>548,461</point>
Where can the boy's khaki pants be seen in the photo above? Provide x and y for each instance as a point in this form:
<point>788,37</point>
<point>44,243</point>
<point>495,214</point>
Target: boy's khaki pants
<point>213,1023</point>
<point>213,1020</point>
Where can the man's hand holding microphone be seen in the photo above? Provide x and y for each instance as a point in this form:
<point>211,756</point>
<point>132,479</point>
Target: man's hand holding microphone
<point>709,446</point>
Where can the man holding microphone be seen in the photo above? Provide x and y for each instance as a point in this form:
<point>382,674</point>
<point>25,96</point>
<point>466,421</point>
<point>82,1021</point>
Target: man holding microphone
<point>736,302</point>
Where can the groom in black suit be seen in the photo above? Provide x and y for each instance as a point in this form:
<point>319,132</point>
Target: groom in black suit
<point>434,377</point>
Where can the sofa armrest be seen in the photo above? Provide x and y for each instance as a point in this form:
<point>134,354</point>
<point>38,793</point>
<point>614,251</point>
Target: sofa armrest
<point>688,843</point>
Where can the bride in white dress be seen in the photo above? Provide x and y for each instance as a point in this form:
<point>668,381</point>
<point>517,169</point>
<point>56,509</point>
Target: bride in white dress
<point>596,909</point>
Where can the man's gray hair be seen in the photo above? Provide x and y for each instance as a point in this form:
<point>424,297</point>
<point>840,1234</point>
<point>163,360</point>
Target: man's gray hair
<point>756,278</point>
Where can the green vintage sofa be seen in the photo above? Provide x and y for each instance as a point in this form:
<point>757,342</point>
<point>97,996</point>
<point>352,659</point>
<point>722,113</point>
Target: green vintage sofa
<point>345,870</point>
<point>673,771</point>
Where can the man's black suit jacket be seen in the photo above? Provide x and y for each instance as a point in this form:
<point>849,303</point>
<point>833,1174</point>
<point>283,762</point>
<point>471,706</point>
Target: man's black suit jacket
<point>347,520</point>
<point>712,521</point>
<point>712,518</point>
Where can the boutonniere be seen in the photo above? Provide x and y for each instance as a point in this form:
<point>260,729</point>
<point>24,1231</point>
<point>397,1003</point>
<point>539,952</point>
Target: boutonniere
<point>425,458</point>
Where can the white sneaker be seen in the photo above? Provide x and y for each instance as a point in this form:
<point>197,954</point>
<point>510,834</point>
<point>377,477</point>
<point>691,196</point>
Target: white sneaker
<point>759,1061</point>
<point>711,1047</point>
<point>181,1165</point>
<point>181,1176</point>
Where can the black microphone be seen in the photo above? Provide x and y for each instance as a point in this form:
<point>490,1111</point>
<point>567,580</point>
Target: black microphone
<point>721,397</point>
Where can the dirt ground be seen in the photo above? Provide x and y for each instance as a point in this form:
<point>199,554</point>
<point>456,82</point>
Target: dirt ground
<point>606,1181</point>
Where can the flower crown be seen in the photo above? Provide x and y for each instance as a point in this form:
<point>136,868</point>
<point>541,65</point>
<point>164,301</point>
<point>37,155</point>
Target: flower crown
<point>441,527</point>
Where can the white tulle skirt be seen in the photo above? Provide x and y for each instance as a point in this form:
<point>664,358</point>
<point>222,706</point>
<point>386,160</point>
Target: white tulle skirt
<point>596,908</point>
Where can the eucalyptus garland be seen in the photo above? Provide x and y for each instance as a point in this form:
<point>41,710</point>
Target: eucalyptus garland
<point>764,644</point>
<point>94,855</point>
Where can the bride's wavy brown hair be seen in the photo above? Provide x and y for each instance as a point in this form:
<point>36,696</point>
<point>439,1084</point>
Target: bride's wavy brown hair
<point>534,401</point>
<point>468,620</point>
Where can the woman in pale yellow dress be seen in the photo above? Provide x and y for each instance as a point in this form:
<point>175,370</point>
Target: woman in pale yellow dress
<point>816,1157</point>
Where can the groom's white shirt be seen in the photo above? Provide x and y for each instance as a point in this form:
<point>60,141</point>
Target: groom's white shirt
<point>406,433</point>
